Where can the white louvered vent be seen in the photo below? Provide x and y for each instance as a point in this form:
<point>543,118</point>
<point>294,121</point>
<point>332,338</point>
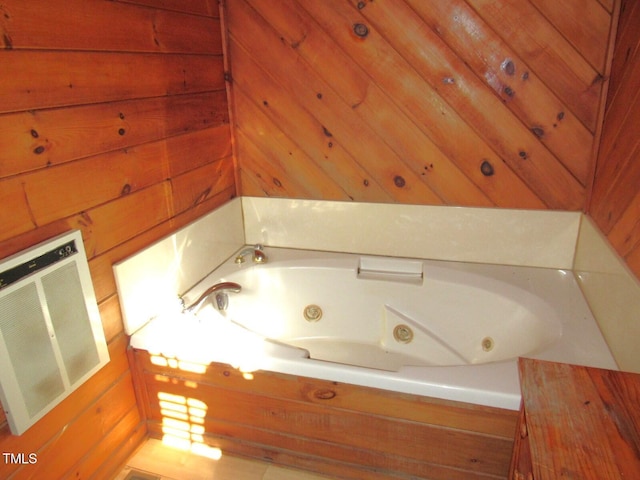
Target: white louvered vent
<point>51,337</point>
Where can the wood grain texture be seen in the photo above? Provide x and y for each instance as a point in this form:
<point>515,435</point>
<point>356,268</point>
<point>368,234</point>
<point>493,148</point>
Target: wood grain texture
<point>335,428</point>
<point>583,24</point>
<point>548,53</point>
<point>138,29</point>
<point>207,8</point>
<point>582,422</point>
<point>615,197</point>
<point>81,400</point>
<point>37,139</point>
<point>113,120</point>
<point>133,91</point>
<point>457,103</point>
<point>45,79</point>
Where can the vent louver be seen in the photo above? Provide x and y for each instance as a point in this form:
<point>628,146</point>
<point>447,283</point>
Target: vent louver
<point>51,336</point>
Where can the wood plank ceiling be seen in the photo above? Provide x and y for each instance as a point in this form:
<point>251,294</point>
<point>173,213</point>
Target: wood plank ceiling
<point>463,102</point>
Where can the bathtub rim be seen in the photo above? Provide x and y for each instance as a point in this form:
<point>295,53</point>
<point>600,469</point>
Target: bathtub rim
<point>493,384</point>
<point>499,389</point>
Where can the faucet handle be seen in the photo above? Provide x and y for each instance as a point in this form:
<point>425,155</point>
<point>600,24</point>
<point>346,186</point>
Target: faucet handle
<point>221,287</point>
<point>258,254</point>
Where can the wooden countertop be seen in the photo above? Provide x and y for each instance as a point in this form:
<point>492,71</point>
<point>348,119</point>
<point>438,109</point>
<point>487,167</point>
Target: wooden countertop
<point>583,423</point>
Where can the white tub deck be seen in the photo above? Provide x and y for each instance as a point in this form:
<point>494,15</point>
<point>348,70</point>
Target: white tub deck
<point>210,337</point>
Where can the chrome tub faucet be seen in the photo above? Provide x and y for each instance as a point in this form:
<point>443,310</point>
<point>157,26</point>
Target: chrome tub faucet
<point>222,299</point>
<point>257,254</point>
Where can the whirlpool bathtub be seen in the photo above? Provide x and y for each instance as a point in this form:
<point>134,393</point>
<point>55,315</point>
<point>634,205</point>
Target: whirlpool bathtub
<point>442,329</point>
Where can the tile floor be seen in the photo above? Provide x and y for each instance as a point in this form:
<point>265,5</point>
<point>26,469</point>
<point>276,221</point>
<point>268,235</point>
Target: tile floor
<point>155,460</point>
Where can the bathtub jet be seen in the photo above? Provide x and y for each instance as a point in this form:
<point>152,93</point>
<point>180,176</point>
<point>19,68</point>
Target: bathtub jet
<point>387,313</point>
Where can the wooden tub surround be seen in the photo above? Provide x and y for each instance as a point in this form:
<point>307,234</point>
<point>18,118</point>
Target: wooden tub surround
<point>577,422</point>
<point>341,430</point>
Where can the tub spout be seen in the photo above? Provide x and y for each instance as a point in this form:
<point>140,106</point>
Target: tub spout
<point>257,254</point>
<point>222,300</point>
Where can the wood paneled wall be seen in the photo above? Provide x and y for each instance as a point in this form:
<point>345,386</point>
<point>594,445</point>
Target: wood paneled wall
<point>340,430</point>
<point>615,201</point>
<point>463,102</point>
<point>113,120</point>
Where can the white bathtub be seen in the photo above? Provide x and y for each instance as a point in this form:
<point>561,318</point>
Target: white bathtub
<point>442,329</point>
